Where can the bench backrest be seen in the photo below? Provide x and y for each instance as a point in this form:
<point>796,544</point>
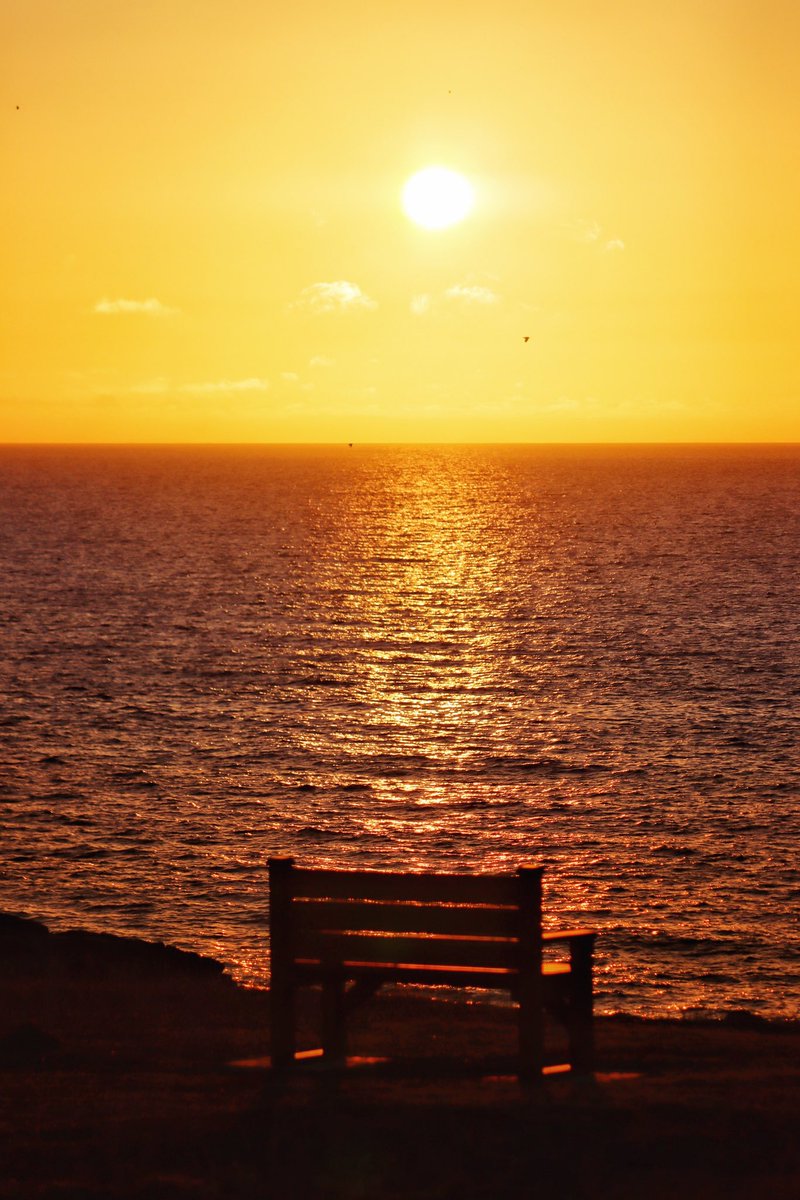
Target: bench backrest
<point>468,921</point>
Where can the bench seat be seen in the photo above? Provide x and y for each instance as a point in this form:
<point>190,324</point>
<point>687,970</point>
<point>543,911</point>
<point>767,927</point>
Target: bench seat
<point>429,974</point>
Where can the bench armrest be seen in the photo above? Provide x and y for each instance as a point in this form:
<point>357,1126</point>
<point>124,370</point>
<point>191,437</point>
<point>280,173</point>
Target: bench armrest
<point>567,935</point>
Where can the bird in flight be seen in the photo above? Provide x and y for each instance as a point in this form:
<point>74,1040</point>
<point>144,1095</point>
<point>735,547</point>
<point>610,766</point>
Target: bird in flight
<point>526,339</point>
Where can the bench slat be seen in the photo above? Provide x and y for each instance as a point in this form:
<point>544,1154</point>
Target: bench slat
<point>441,951</point>
<point>355,915</point>
<point>395,885</point>
<point>566,935</point>
<point>432,975</point>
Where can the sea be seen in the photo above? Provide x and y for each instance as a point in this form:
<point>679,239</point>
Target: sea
<point>458,658</point>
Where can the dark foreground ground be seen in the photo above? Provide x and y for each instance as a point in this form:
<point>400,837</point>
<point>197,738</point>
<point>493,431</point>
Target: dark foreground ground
<point>116,1080</point>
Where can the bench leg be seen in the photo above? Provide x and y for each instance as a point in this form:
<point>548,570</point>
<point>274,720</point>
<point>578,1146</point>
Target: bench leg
<point>580,1024</point>
<point>531,1033</point>
<point>282,984</point>
<point>283,1025</point>
<point>334,1029</point>
<point>531,988</point>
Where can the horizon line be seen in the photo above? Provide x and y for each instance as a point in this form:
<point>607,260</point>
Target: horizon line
<point>4,445</point>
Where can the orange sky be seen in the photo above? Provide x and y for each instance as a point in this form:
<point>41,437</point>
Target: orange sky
<point>203,241</point>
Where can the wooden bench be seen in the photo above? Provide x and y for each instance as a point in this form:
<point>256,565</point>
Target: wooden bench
<point>350,932</point>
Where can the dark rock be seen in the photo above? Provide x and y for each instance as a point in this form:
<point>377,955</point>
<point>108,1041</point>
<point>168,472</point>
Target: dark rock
<point>27,1046</point>
<point>29,946</point>
<point>99,952</point>
<point>20,929</point>
<point>741,1018</point>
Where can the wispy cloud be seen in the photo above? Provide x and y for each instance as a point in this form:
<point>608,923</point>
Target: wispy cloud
<point>460,295</point>
<point>591,233</point>
<point>147,308</point>
<point>321,360</point>
<point>224,386</point>
<point>463,293</point>
<point>586,231</point>
<point>339,295</point>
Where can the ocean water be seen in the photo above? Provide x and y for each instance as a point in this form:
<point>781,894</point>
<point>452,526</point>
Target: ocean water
<point>457,658</point>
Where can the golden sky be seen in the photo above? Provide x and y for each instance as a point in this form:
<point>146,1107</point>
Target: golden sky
<point>203,238</point>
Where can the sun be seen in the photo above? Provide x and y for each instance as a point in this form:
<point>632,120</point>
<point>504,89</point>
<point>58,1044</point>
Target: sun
<point>437,197</point>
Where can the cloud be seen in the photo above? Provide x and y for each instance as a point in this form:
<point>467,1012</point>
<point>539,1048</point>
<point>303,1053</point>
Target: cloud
<point>340,295</point>
<point>290,377</point>
<point>148,308</point>
<point>462,295</point>
<point>586,231</point>
<point>471,294</point>
<point>225,386</point>
<point>591,233</point>
<point>321,360</point>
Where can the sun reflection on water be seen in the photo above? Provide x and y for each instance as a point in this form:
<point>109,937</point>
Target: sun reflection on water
<point>428,619</point>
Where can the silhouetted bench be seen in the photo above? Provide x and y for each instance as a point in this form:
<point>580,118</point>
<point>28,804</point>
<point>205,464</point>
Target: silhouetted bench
<point>350,932</point>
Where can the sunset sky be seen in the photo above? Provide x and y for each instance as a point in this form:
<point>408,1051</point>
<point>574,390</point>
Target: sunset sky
<point>203,238</point>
